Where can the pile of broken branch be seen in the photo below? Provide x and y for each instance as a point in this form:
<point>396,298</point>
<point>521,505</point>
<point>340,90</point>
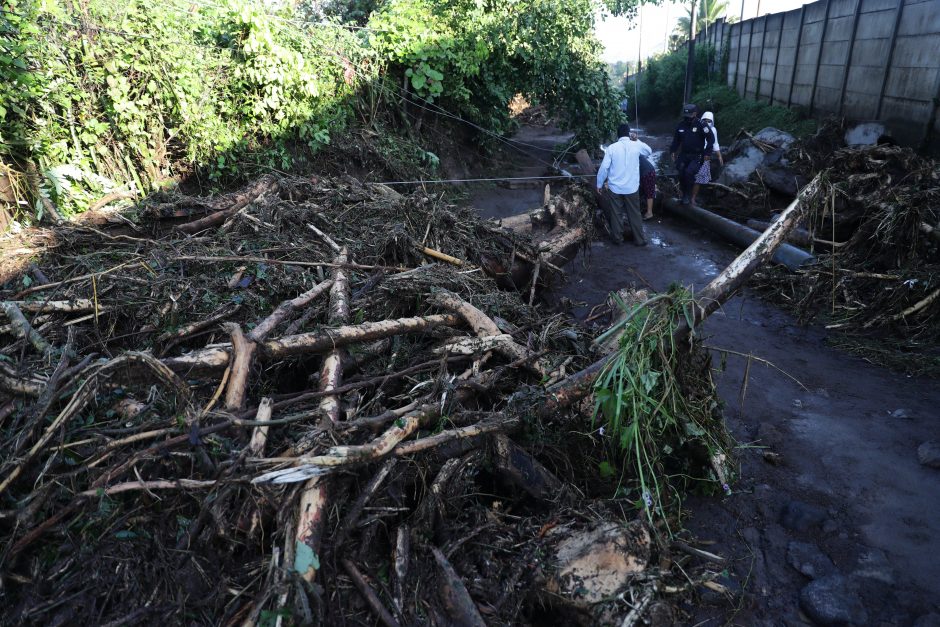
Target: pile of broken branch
<point>875,217</point>
<point>318,401</point>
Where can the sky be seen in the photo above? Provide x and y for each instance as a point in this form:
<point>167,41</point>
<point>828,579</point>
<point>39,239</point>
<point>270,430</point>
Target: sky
<point>622,39</point>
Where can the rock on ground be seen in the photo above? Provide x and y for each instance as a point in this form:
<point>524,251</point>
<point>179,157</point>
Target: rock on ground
<point>831,601</point>
<point>865,134</point>
<point>807,559</point>
<point>928,454</point>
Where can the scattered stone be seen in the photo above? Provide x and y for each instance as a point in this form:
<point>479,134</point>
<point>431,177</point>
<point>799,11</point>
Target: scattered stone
<point>874,564</point>
<point>808,559</point>
<point>865,134</point>
<point>900,413</point>
<point>830,601</point>
<point>799,516</point>
<point>830,527</point>
<point>929,453</point>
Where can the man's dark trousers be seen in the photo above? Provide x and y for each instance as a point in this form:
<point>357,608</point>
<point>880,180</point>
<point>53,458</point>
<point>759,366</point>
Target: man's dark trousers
<point>687,164</point>
<point>625,206</point>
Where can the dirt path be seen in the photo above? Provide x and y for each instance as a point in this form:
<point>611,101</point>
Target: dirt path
<point>846,501</point>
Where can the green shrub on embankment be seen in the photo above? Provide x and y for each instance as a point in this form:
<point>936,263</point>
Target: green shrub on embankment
<point>109,95</point>
<point>105,95</point>
<point>734,114</point>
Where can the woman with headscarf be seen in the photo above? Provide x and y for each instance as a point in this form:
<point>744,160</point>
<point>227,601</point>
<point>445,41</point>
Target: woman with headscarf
<point>704,174</point>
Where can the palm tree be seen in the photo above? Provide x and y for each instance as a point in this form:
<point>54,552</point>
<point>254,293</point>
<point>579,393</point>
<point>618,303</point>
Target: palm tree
<point>709,11</point>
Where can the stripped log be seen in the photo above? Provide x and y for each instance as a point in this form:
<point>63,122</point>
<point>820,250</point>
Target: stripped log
<point>315,495</point>
<point>285,309</point>
<point>259,436</point>
<point>579,385</point>
<point>58,306</point>
<point>23,329</point>
<point>484,327</point>
<point>244,350</point>
<point>264,185</point>
<point>217,357</point>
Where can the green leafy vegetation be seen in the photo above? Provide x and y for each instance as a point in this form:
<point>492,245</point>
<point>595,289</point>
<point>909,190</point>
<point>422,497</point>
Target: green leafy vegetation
<point>106,96</point>
<point>734,114</point>
<point>662,81</point>
<point>659,406</point>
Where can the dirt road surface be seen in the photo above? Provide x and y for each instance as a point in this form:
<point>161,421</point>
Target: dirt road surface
<point>843,521</point>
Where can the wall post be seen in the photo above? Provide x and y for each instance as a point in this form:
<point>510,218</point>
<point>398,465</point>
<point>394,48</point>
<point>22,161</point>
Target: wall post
<point>848,58</point>
<point>796,55</point>
<point>747,63</point>
<point>822,43</point>
<point>760,64</point>
<point>773,86</point>
<point>894,40</point>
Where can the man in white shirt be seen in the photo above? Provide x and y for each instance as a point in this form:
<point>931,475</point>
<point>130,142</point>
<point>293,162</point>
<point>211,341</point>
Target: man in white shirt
<point>621,170</point>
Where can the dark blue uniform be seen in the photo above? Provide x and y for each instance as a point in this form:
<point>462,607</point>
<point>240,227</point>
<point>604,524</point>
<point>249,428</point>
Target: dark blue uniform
<point>691,143</point>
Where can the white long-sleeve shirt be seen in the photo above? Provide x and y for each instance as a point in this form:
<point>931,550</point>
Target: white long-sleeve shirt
<point>621,166</point>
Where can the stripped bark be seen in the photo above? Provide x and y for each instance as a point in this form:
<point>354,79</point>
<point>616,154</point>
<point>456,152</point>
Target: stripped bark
<point>285,309</point>
<point>217,357</point>
<point>23,329</point>
<point>244,350</point>
<point>264,185</point>
<point>315,495</point>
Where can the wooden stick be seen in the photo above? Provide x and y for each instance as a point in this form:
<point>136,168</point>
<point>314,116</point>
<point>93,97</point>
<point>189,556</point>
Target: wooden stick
<point>285,309</point>
<point>160,484</point>
<point>402,555</point>
<point>23,329</point>
<point>170,338</point>
<point>264,185</point>
<point>282,262</point>
<point>436,254</point>
<point>484,326</point>
<point>457,600</point>
<point>326,238</point>
<point>244,350</point>
<point>350,519</point>
<point>38,288</point>
<point>12,384</point>
<point>372,599</point>
<point>217,357</point>
<point>65,306</point>
<point>260,434</point>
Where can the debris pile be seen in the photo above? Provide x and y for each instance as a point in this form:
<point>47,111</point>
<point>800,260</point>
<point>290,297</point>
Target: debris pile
<point>875,222</point>
<point>314,400</point>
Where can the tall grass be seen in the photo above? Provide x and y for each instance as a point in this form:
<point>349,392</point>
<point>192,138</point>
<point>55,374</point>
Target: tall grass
<point>659,406</point>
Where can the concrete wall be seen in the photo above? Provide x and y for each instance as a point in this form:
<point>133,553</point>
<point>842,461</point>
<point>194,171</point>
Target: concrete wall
<point>863,59</point>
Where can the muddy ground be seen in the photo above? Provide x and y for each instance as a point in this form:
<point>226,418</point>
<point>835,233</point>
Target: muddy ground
<point>830,482</point>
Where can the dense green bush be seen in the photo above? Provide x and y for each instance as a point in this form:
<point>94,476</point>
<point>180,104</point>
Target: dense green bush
<point>105,95</point>
<point>733,113</point>
<point>472,57</point>
<point>117,94</point>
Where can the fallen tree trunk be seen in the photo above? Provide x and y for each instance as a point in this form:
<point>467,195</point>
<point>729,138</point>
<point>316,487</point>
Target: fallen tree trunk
<point>217,357</point>
<point>790,256</point>
<point>579,385</point>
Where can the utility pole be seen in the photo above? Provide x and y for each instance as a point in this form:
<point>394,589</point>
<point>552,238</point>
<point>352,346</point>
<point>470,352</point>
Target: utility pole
<point>690,64</point>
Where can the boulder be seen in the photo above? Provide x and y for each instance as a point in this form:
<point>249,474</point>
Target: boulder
<point>864,134</point>
<point>747,157</point>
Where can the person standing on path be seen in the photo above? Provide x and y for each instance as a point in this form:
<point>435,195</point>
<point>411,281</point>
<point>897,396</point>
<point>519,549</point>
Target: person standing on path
<point>691,147</point>
<point>621,170</point>
<point>704,174</point>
